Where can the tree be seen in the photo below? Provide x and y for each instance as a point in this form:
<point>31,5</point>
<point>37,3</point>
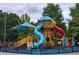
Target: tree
<point>25,18</point>
<point>15,21</point>
<point>11,21</point>
<point>55,12</point>
<point>1,25</point>
<point>75,19</point>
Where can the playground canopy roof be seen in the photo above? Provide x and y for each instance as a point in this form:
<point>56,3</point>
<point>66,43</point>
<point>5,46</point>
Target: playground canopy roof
<point>45,17</point>
<point>22,26</point>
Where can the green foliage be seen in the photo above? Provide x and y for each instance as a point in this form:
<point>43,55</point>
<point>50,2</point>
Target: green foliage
<point>12,20</point>
<point>25,18</point>
<point>75,19</point>
<point>55,12</point>
<point>1,25</point>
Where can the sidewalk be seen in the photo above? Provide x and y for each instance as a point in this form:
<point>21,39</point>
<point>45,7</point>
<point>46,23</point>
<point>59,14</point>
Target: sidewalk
<point>6,53</point>
<point>74,53</point>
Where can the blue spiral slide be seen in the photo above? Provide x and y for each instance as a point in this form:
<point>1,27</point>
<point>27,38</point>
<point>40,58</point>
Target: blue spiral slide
<point>41,36</point>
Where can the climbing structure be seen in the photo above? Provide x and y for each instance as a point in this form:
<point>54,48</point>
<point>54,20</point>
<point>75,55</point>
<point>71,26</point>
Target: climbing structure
<point>45,32</point>
<point>49,30</point>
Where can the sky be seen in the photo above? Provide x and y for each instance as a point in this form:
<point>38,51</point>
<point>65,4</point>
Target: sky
<point>34,10</point>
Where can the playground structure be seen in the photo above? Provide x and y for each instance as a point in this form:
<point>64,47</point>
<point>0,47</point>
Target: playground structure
<point>45,31</point>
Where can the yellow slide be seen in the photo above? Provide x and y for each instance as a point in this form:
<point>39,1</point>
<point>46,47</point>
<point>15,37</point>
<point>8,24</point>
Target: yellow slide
<point>23,41</point>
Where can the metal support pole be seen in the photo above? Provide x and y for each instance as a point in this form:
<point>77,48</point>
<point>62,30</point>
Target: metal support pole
<point>4,30</point>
